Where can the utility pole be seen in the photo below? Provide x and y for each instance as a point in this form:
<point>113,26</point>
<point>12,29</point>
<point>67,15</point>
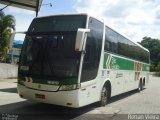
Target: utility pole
<point>50,4</point>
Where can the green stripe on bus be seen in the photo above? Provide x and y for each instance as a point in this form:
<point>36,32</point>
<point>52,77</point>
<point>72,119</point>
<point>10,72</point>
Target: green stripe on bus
<point>118,63</point>
<point>121,64</point>
<point>56,82</point>
<point>52,82</point>
<point>105,60</point>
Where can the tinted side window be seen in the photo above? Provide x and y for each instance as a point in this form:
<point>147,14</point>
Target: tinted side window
<point>93,50</point>
<point>116,43</point>
<point>122,46</point>
<point>111,39</point>
<point>141,55</point>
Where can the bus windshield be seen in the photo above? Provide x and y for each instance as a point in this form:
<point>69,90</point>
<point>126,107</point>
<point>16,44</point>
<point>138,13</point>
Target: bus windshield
<point>58,23</point>
<point>49,48</point>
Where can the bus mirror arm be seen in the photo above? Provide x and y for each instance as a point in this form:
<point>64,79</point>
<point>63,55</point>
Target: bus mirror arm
<point>80,39</point>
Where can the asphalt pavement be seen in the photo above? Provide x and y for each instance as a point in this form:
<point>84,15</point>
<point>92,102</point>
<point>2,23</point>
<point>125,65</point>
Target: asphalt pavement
<point>131,105</point>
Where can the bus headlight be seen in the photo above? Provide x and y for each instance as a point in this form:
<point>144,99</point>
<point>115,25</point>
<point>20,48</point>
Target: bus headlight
<point>69,87</point>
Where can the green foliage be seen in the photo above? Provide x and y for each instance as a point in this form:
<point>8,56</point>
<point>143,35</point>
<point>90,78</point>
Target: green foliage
<point>7,24</point>
<point>153,45</point>
<point>157,69</point>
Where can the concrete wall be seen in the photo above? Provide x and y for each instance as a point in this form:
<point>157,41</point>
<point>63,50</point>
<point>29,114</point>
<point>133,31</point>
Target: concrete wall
<point>8,71</point>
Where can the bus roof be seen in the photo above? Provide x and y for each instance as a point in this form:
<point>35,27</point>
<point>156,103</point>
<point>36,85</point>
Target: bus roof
<point>62,15</point>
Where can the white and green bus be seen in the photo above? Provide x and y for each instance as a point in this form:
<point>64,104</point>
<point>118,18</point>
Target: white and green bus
<point>75,60</point>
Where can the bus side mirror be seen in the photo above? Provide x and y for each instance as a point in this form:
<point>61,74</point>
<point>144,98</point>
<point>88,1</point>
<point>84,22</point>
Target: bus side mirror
<point>81,35</point>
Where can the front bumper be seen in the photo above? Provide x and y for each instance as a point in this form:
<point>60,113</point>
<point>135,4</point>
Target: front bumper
<point>62,98</point>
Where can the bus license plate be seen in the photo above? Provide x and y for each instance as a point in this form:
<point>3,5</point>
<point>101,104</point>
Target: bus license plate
<point>40,96</point>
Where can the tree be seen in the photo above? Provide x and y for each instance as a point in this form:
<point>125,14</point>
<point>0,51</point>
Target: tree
<point>7,25</point>
<point>153,45</point>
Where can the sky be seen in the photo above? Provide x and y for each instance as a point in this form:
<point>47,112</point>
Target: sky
<point>133,18</point>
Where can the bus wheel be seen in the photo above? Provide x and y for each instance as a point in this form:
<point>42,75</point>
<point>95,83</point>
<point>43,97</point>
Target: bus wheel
<point>140,88</point>
<point>104,96</point>
<point>144,82</point>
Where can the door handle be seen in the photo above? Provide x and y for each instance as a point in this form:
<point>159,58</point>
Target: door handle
<point>93,86</point>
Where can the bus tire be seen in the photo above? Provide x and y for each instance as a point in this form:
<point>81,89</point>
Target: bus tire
<point>144,82</point>
<point>140,87</point>
<point>104,97</point>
